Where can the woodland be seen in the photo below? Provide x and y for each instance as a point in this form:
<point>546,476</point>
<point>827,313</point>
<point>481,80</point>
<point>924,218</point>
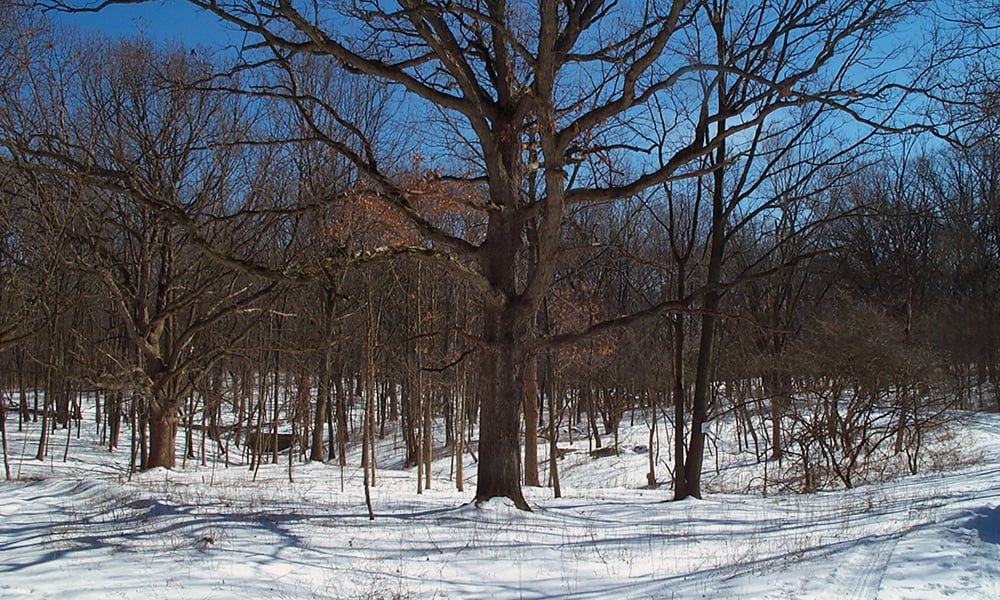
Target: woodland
<point>489,226</point>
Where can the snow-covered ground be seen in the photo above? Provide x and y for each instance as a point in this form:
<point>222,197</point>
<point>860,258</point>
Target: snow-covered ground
<point>82,529</point>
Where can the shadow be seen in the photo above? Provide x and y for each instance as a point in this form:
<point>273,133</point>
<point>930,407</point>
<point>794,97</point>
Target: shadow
<point>986,523</point>
<point>116,521</point>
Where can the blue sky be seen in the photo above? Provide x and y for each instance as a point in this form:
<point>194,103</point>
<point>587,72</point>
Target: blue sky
<point>172,21</point>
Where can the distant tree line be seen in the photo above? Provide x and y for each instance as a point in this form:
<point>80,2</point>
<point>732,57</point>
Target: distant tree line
<point>518,219</point>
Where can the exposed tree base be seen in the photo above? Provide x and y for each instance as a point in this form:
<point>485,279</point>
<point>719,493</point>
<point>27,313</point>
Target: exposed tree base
<point>518,500</point>
<point>679,498</point>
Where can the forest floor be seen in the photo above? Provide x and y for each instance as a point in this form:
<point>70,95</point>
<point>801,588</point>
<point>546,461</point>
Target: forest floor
<point>82,528</point>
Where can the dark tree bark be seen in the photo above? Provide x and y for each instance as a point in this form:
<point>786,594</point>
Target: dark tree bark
<point>506,335</point>
<point>3,436</point>
<point>531,423</point>
<point>163,422</point>
<point>324,387</point>
<point>500,427</point>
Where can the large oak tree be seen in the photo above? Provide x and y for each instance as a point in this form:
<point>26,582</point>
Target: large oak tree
<point>543,102</point>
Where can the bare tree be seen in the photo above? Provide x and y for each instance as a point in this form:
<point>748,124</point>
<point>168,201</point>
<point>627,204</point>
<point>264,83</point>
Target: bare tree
<point>541,101</point>
<point>129,138</point>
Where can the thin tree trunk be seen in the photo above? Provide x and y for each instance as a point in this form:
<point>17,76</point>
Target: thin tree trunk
<point>553,431</point>
<point>416,425</point>
<point>691,485</point>
<point>3,436</point>
<point>326,374</point>
<point>143,435</point>
<point>115,419</point>
<point>189,431</point>
<point>680,383</point>
<point>531,423</point>
<point>24,413</point>
<point>418,422</point>
<point>779,405</point>
<point>71,404</point>
<point>428,439</point>
<point>367,458</point>
<point>276,414</point>
<point>591,417</point>
<point>102,416</point>
<point>459,446</point>
<point>342,427</point>
<point>43,439</point>
<point>204,432</point>
<point>651,475</point>
<point>257,432</point>
<point>134,438</point>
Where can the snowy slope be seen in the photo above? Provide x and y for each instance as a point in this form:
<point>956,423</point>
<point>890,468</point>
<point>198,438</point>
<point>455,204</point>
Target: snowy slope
<point>81,529</point>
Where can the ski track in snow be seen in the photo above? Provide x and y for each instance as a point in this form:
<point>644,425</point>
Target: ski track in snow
<point>869,563</point>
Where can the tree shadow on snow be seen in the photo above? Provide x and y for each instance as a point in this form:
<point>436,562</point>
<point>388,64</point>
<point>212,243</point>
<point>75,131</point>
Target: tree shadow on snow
<point>986,523</point>
<point>150,526</point>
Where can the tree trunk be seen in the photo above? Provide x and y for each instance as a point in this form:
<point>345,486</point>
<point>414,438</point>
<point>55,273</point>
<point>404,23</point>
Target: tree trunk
<point>319,422</point>
<point>410,400</point>
<point>691,484</point>
<point>3,436</point>
<point>500,412</point>
<point>342,432</point>
<point>531,423</point>
<point>162,436</point>
<point>24,413</point>
<point>428,438</point>
<point>115,418</point>
<point>326,374</point>
<point>595,433</point>
<point>507,318</point>
<point>779,393</point>
<point>550,386</point>
<point>651,455</point>
<point>679,375</point>
<point>43,440</point>
<point>458,449</point>
<point>499,437</point>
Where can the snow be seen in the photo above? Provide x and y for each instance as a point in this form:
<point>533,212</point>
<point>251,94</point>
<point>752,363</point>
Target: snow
<point>84,529</point>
